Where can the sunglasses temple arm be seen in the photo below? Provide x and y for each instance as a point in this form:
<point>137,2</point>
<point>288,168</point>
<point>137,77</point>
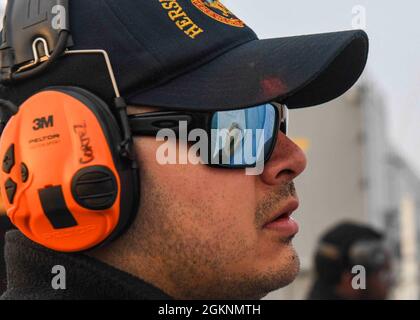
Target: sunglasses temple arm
<point>150,125</point>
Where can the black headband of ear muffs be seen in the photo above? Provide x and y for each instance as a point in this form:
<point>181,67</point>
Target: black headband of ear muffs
<point>31,33</point>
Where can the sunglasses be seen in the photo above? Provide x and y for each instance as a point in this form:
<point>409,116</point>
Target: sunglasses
<point>235,139</point>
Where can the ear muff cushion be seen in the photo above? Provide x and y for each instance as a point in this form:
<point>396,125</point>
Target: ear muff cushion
<point>128,172</point>
<point>51,151</point>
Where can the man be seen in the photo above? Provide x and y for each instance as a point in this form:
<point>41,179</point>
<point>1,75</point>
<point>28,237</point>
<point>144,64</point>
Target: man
<point>201,232</point>
<point>344,247</point>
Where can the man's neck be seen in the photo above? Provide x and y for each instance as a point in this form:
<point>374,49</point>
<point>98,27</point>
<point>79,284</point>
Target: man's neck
<point>121,256</point>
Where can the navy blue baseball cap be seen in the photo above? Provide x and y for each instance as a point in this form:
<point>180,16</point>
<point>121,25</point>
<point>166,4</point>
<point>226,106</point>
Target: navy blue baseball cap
<point>187,55</point>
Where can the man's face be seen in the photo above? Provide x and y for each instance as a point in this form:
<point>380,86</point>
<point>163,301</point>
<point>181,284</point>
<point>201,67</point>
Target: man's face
<point>206,228</point>
<point>379,284</point>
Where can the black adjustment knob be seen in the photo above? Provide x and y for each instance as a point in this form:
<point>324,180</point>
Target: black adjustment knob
<point>9,159</point>
<point>11,188</point>
<point>24,172</point>
<point>95,188</point>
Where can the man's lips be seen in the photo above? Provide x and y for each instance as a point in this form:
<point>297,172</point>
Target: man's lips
<point>282,222</point>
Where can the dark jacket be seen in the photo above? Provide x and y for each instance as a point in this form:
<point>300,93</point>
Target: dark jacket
<point>5,225</point>
<point>29,273</point>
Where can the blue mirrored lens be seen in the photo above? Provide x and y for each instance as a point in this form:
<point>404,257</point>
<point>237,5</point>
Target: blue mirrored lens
<point>243,137</point>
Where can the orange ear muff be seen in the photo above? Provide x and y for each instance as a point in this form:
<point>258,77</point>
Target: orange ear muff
<point>63,181</point>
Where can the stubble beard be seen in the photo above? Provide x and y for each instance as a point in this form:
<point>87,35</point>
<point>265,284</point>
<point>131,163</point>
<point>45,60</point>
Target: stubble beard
<point>187,260</point>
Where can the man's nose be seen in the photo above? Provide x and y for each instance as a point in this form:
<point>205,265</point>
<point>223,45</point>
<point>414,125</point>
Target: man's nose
<point>286,163</point>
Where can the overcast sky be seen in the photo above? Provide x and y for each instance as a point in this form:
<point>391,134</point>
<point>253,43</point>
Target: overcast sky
<point>394,63</point>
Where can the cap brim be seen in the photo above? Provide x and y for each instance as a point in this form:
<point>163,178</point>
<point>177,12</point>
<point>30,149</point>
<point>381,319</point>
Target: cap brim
<point>299,71</point>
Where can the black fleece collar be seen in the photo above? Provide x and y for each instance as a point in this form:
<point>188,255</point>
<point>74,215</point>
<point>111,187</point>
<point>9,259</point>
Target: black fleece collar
<point>29,271</point>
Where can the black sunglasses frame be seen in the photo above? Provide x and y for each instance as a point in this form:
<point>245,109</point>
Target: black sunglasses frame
<point>149,124</point>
